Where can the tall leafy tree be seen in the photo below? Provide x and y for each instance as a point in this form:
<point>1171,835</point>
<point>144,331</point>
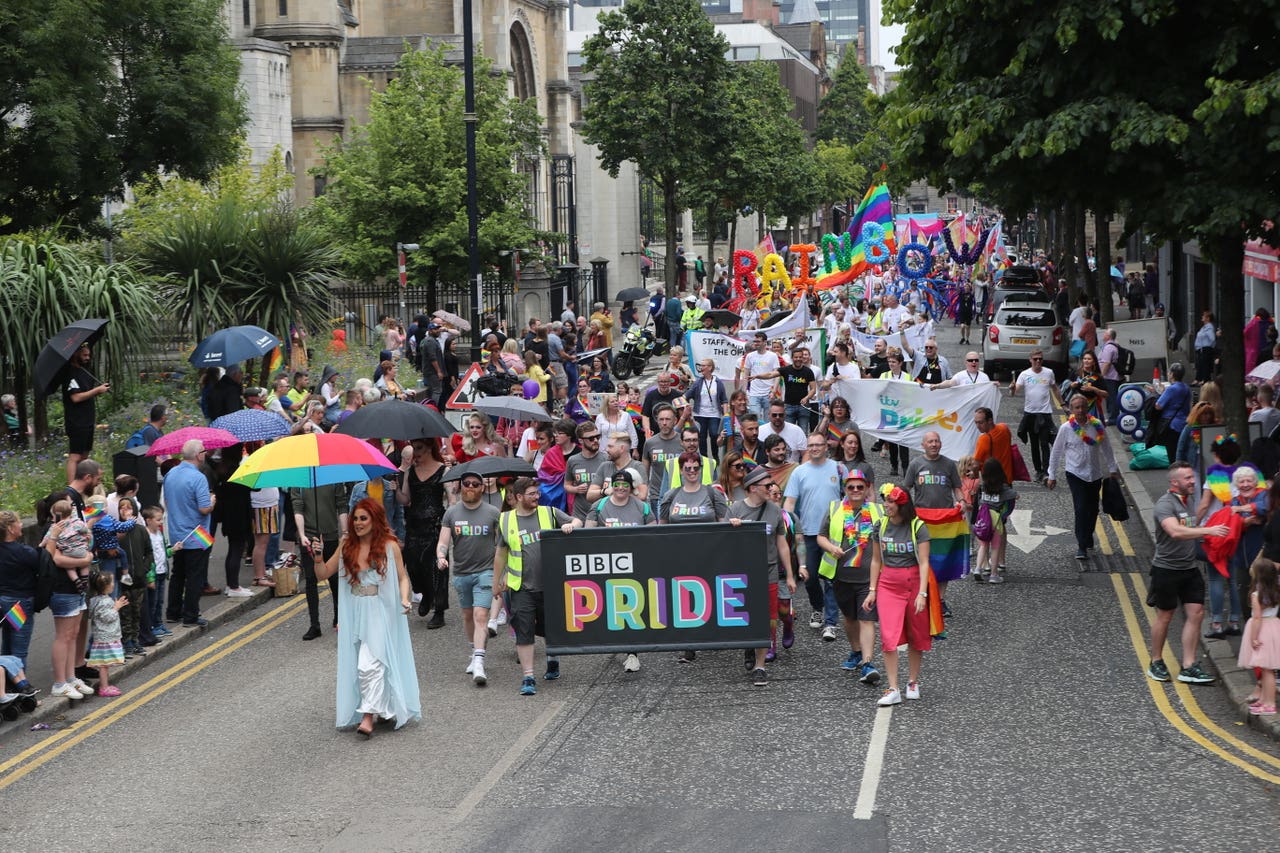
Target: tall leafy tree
<point>851,114</point>
<point>402,176</point>
<point>94,96</point>
<point>655,82</point>
<point>840,176</point>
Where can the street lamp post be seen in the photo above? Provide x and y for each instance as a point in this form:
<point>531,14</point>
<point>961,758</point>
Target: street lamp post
<point>401,248</point>
<point>473,209</point>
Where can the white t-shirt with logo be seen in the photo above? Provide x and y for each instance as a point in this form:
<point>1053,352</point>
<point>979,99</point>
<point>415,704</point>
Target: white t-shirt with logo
<point>1038,388</point>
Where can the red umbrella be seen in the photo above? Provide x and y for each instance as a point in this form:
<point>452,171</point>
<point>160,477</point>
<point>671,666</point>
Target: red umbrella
<point>171,443</point>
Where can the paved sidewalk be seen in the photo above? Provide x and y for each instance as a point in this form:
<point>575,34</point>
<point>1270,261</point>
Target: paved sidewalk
<point>1146,487</point>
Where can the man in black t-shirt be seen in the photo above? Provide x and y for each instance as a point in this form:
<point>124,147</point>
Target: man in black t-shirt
<point>79,408</point>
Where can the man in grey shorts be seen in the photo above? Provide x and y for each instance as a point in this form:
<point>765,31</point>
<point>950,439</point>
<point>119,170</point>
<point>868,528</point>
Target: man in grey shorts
<point>1175,575</point>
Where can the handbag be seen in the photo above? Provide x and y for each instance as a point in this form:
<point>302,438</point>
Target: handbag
<point>1077,347</point>
<point>1020,472</point>
<point>1113,502</point>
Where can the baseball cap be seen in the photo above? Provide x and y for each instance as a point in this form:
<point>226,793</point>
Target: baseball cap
<point>624,474</point>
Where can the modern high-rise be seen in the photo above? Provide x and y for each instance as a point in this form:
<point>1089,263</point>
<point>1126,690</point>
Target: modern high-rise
<point>843,19</point>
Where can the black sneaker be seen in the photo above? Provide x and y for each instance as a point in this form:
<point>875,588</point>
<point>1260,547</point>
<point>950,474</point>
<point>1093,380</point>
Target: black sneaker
<point>553,671</point>
<point>760,678</point>
<point>1195,675</point>
<point>686,657</point>
<point>436,620</point>
<point>946,610</point>
<point>750,656</point>
<point>1158,671</point>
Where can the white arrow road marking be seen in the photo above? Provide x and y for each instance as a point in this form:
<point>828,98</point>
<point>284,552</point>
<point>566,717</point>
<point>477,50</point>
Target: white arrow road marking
<point>1028,540</point>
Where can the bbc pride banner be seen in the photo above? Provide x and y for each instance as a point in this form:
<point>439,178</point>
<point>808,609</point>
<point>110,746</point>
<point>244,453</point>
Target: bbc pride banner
<point>902,412</point>
<point>645,589</point>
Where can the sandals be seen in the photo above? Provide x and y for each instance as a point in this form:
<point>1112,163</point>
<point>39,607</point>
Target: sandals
<point>1262,710</point>
<point>264,582</point>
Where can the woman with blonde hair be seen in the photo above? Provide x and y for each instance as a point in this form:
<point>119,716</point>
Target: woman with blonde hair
<point>511,356</point>
<point>479,439</point>
<point>312,421</point>
<point>677,367</point>
<point>613,418</point>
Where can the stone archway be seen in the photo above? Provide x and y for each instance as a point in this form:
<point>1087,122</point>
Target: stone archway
<point>524,83</point>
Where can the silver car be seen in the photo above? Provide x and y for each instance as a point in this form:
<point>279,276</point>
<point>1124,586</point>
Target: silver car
<point>1023,323</point>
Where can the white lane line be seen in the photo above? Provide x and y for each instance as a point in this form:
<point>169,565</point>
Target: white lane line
<point>512,755</point>
<point>874,765</point>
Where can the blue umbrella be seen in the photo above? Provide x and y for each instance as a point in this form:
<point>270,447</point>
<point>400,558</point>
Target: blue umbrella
<point>253,425</point>
<point>232,346</point>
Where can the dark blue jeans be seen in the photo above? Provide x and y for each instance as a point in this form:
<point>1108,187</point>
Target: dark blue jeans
<point>190,572</point>
<point>821,594</point>
<point>1085,498</point>
<point>16,641</point>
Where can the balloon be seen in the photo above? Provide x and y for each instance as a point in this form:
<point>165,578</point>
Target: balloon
<point>531,388</point>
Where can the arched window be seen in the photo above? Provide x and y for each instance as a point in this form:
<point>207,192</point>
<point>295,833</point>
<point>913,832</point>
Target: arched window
<point>522,78</point>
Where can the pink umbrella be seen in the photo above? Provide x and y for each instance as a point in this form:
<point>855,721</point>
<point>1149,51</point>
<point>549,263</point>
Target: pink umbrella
<point>171,443</point>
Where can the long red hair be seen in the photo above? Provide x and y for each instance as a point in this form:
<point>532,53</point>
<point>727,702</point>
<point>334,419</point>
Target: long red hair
<point>380,536</point>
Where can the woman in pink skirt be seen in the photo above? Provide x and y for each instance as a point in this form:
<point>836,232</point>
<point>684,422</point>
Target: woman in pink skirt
<point>899,589</point>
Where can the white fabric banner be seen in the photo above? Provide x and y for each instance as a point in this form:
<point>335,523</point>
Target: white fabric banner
<point>726,351</point>
<point>1147,338</point>
<point>902,412</point>
<point>916,335</point>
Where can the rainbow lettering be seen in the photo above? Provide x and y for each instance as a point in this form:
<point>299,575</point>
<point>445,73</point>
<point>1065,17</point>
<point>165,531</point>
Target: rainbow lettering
<point>626,604</point>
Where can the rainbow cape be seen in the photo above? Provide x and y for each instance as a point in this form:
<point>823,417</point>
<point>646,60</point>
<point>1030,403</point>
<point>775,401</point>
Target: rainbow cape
<point>948,542</point>
<point>17,616</point>
<point>632,409</point>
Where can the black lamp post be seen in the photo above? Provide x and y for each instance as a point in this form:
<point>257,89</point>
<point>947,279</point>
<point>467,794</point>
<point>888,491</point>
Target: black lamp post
<point>473,209</point>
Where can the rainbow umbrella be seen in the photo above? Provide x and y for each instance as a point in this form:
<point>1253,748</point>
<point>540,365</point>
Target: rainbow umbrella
<point>171,443</point>
<point>310,460</point>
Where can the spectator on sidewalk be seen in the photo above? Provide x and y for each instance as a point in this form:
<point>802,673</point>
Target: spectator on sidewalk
<point>1108,358</point>
<point>188,503</point>
<point>1174,404</point>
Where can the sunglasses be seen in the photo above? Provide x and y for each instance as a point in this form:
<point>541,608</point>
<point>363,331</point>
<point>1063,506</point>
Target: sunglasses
<point>1037,358</point>
<point>472,484</point>
<point>692,468</point>
<point>595,437</point>
<point>975,361</point>
<point>858,487</point>
<point>738,465</point>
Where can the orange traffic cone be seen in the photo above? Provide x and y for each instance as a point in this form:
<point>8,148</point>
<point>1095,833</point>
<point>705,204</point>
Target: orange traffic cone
<point>1155,375</point>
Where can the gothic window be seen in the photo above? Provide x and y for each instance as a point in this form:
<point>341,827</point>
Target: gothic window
<point>523,82</point>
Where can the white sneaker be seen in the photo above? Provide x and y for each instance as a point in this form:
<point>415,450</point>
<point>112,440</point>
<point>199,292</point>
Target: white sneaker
<point>829,633</point>
<point>85,690</point>
<point>913,690</point>
<point>815,620</point>
<point>493,627</point>
<point>890,697</point>
<point>239,592</point>
<point>995,578</point>
<point>477,672</point>
<point>68,690</point>
<point>502,617</point>
<point>471,665</point>
<point>631,664</point>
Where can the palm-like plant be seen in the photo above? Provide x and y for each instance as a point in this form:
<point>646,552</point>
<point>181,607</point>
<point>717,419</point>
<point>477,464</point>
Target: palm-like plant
<point>46,284</point>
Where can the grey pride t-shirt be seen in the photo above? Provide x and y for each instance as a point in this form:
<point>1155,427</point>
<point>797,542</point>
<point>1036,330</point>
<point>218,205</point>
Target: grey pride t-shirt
<point>771,515</point>
<point>634,513</point>
<point>897,549</point>
<point>578,470</point>
<point>932,482</point>
<point>475,536</point>
<point>530,545</point>
<point>1176,554</point>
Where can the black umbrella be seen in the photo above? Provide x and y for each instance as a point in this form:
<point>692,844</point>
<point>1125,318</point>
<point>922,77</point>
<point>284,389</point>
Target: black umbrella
<point>585,357</point>
<point>491,466</point>
<point>226,347</point>
<point>396,419</point>
<point>512,408</point>
<point>631,294</point>
<point>721,317</point>
<point>51,364</point>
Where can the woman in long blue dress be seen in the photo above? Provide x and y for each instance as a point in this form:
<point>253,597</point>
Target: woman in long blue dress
<point>377,678</point>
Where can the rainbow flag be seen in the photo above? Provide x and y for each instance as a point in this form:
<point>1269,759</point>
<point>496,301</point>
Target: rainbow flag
<point>277,359</point>
<point>17,616</point>
<point>202,536</point>
<point>834,434</point>
<point>876,207</point>
<point>94,512</point>
<point>749,463</point>
<point>632,409</point>
<point>765,247</point>
<point>948,542</point>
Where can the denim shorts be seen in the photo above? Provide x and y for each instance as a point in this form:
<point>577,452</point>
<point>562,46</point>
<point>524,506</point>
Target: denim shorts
<point>63,604</point>
<point>475,590</point>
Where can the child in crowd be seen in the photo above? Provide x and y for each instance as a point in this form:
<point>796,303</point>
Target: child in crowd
<point>106,650</point>
<point>970,480</point>
<point>1260,645</point>
<point>73,539</point>
<point>161,557</point>
<point>135,625</point>
<point>106,541</point>
<point>999,499</point>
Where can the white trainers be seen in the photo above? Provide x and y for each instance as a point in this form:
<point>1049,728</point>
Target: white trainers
<point>890,697</point>
<point>829,633</point>
<point>239,592</point>
<point>68,690</point>
<point>995,578</point>
<point>471,665</point>
<point>477,672</point>
<point>815,619</point>
<point>913,690</point>
<point>631,664</point>
<point>502,617</point>
<point>85,690</point>
<point>493,627</point>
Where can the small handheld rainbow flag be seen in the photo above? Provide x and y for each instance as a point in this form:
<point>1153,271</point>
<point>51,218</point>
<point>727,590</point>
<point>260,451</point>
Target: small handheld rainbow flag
<point>277,359</point>
<point>17,616</point>
<point>93,512</point>
<point>203,536</point>
<point>633,409</point>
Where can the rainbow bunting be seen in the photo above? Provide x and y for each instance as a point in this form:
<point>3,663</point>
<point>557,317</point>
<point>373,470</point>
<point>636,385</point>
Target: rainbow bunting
<point>203,536</point>
<point>17,616</point>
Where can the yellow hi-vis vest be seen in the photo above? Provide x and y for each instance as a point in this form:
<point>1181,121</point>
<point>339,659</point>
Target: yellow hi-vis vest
<point>835,532</point>
<point>673,472</point>
<point>511,535</point>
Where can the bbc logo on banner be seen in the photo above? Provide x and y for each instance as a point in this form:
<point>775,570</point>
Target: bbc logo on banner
<point>577,565</point>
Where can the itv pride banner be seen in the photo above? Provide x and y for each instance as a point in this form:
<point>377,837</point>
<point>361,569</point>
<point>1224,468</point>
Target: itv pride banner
<point>902,412</point>
<point>644,589</point>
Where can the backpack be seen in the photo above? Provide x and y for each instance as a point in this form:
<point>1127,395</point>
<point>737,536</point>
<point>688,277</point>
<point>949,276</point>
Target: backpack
<point>46,577</point>
<point>1126,361</point>
<point>983,525</point>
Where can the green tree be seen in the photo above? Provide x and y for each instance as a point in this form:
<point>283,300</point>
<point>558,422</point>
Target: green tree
<point>655,85</point>
<point>94,96</point>
<point>46,284</point>
<point>851,114</point>
<point>840,176</point>
<point>402,177</point>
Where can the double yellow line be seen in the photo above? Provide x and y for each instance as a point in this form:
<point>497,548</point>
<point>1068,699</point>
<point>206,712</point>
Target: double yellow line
<point>1206,732</point>
<point>18,766</point>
